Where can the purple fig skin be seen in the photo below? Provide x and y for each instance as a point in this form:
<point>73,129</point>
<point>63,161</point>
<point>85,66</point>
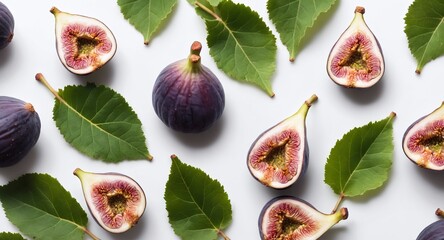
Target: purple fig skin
<point>187,96</point>
<point>405,134</point>
<point>434,231</point>
<point>6,26</point>
<point>19,130</point>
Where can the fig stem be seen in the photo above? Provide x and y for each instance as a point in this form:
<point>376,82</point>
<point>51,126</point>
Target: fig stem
<point>222,234</point>
<point>90,234</point>
<point>338,203</point>
<point>203,7</point>
<point>439,212</point>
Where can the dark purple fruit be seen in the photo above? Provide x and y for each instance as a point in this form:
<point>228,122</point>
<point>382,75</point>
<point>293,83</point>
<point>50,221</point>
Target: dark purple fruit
<point>434,231</point>
<point>84,44</point>
<point>279,156</point>
<point>356,60</point>
<point>292,218</point>
<point>116,201</point>
<point>19,130</point>
<point>423,141</point>
<point>6,26</point>
<point>187,96</point>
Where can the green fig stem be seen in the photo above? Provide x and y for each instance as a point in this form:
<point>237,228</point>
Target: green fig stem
<point>222,234</point>
<point>338,203</point>
<point>439,212</point>
<point>194,64</point>
<point>307,104</point>
<point>94,237</point>
<point>54,10</point>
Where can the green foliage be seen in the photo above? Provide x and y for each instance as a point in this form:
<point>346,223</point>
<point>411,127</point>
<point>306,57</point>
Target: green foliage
<point>147,16</point>
<point>293,17</point>
<point>240,42</point>
<point>98,122</point>
<point>362,159</point>
<point>424,27</point>
<point>42,209</point>
<point>10,236</point>
<point>198,206</point>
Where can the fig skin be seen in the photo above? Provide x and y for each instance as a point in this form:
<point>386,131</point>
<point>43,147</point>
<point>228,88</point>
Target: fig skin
<point>434,231</point>
<point>109,185</point>
<point>293,132</point>
<point>6,26</point>
<point>314,222</point>
<point>187,96</point>
<point>19,130</point>
<point>427,126</point>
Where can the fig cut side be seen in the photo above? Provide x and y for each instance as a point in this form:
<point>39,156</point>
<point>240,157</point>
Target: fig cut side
<point>423,141</point>
<point>84,44</point>
<point>356,60</point>
<point>279,156</point>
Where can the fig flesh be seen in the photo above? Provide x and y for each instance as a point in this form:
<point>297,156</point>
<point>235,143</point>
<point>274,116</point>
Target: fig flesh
<point>356,59</point>
<point>19,130</point>
<point>83,44</point>
<point>279,156</point>
<point>292,218</point>
<point>434,231</point>
<point>423,141</point>
<point>116,201</point>
<point>187,96</point>
<point>6,26</point>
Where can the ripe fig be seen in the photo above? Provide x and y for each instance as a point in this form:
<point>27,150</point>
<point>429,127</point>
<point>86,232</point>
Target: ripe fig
<point>423,141</point>
<point>293,218</point>
<point>434,231</point>
<point>83,44</point>
<point>356,60</point>
<point>116,201</point>
<point>6,26</point>
<point>19,130</point>
<point>279,156</point>
<point>187,96</point>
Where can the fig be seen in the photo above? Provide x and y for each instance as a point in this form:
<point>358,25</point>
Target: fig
<point>279,156</point>
<point>356,59</point>
<point>434,231</point>
<point>187,96</point>
<point>83,44</point>
<point>19,130</point>
<point>116,201</point>
<point>292,218</point>
<point>423,141</point>
<point>6,26</point>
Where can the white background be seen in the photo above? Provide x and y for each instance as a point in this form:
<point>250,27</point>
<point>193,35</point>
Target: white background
<point>398,210</point>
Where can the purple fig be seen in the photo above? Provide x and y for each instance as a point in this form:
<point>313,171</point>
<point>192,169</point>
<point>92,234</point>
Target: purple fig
<point>6,26</point>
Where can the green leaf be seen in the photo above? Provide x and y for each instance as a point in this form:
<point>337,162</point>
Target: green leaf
<point>198,206</point>
<point>293,17</point>
<point>147,16</point>
<point>240,42</point>
<point>362,159</point>
<point>42,209</point>
<point>10,236</point>
<point>98,122</point>
<point>424,27</point>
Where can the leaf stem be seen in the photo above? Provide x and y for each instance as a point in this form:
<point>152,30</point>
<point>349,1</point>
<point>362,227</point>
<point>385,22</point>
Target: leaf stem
<point>39,77</point>
<point>203,7</point>
<point>338,203</point>
<point>90,234</point>
<point>222,234</point>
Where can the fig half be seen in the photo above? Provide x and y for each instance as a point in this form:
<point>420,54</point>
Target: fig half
<point>293,218</point>
<point>116,201</point>
<point>356,60</point>
<point>84,44</point>
<point>279,156</point>
<point>423,141</point>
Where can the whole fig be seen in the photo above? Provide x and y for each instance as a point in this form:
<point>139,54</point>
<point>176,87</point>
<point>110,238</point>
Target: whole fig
<point>187,96</point>
<point>19,130</point>
<point>434,231</point>
<point>6,26</point>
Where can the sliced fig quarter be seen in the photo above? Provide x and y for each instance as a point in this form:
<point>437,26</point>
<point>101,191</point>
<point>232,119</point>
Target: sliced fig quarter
<point>83,44</point>
<point>279,156</point>
<point>356,59</point>
<point>423,141</point>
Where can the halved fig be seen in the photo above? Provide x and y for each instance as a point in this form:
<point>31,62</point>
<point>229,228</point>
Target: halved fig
<point>356,59</point>
<point>84,44</point>
<point>423,141</point>
<point>279,156</point>
<point>293,218</point>
<point>116,201</point>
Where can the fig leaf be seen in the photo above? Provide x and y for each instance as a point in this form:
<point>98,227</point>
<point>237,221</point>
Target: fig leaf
<point>10,236</point>
<point>41,208</point>
<point>292,18</point>
<point>198,206</point>
<point>147,16</point>
<point>424,27</point>
<point>362,159</point>
<point>240,42</point>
